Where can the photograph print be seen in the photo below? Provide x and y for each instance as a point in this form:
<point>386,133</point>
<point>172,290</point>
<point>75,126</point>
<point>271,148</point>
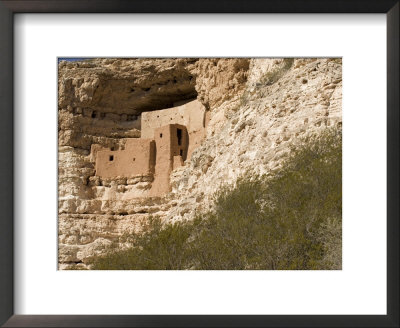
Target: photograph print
<point>199,163</point>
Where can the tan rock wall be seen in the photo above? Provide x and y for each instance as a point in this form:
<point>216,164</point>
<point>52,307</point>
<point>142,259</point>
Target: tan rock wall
<point>220,79</point>
<point>125,86</point>
<point>254,133</point>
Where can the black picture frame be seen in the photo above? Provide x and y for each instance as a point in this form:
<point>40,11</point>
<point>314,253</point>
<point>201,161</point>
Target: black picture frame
<point>7,10</point>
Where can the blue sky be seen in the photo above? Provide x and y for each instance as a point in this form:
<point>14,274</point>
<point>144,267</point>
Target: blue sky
<point>71,58</point>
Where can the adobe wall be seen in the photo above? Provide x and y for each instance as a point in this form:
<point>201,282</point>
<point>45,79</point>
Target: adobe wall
<point>169,147</point>
<point>191,114</point>
<point>160,149</point>
<point>138,158</point>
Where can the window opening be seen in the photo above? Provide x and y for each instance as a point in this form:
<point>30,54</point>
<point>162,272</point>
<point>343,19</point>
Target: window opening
<point>111,158</point>
<point>179,135</point>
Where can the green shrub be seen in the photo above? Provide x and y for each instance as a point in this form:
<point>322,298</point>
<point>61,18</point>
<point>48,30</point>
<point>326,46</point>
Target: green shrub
<point>160,247</point>
<point>288,220</point>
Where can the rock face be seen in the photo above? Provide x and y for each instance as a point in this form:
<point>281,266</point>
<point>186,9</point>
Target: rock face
<point>217,80</point>
<point>255,108</point>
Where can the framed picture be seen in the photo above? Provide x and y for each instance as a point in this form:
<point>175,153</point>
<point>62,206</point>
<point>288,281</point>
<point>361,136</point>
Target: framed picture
<point>173,163</point>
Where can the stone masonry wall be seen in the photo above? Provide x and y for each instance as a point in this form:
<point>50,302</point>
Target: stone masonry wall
<point>191,114</point>
<point>138,158</point>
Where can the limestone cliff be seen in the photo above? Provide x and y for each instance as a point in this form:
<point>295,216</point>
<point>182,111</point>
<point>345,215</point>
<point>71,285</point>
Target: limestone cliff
<point>256,109</point>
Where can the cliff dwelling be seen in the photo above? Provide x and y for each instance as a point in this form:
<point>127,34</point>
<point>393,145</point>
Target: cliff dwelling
<point>136,143</point>
<point>168,138</point>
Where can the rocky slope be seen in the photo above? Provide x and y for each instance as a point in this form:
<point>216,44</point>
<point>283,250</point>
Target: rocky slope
<point>258,107</point>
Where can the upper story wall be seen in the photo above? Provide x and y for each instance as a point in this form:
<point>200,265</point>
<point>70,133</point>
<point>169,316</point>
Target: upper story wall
<point>138,158</point>
<point>171,149</point>
<point>171,140</point>
<point>192,115</point>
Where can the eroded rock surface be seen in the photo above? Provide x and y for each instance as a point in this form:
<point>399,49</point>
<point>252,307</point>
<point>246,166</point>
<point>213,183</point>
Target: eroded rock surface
<point>256,109</point>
